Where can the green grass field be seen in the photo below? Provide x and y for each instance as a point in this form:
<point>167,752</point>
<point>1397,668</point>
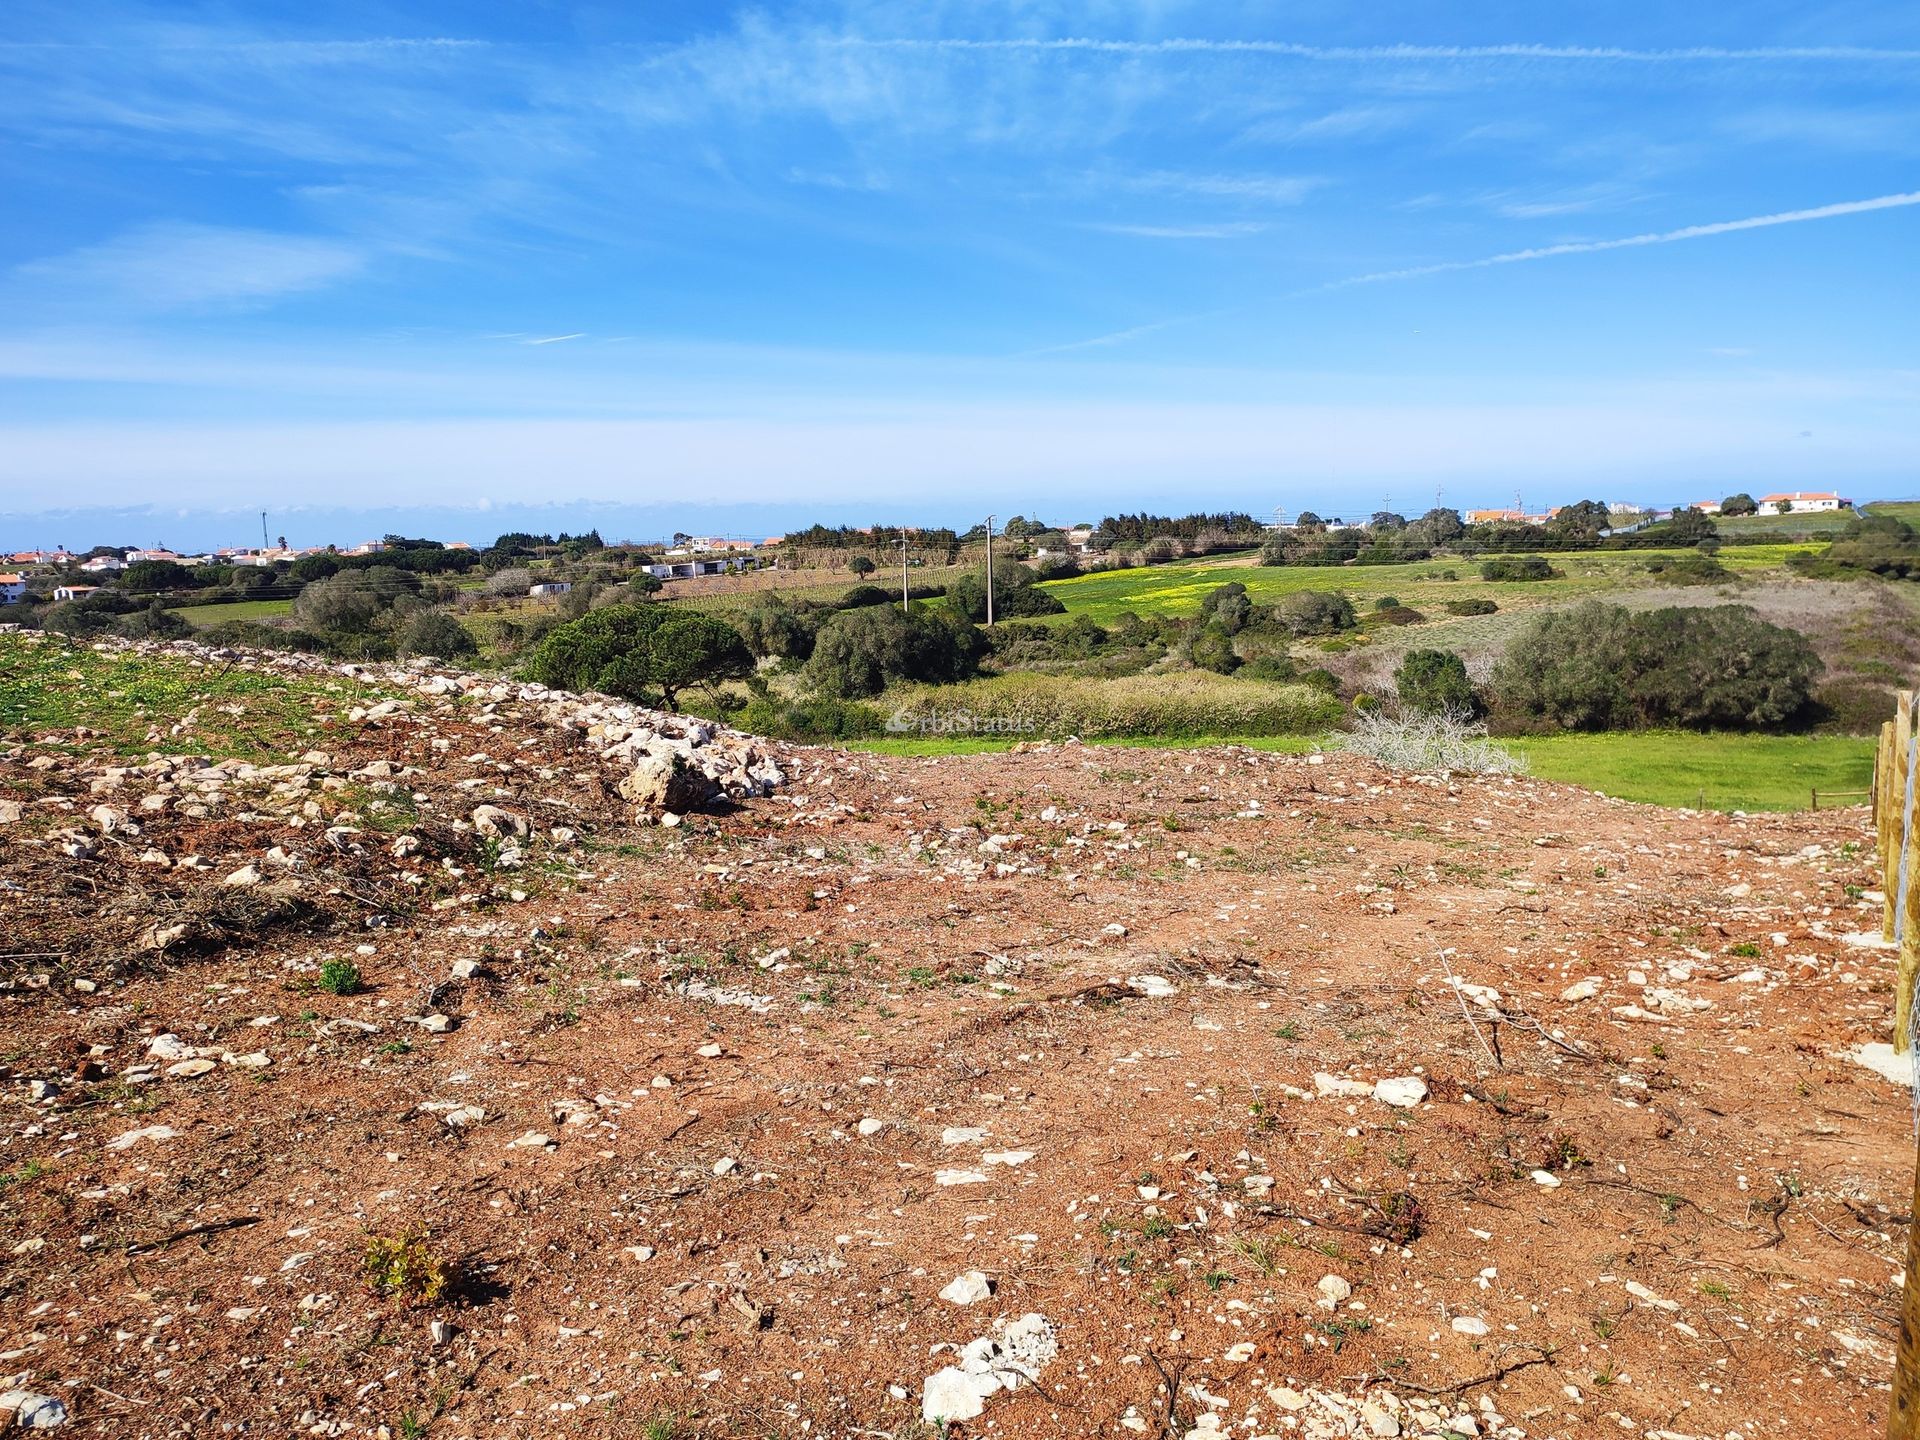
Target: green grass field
<point>136,701</point>
<point>1682,770</point>
<point>1719,772</point>
<point>1178,589</point>
<point>201,616</point>
<point>1822,525</point>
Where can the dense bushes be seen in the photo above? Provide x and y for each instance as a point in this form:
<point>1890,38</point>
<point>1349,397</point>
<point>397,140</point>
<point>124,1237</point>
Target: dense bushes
<point>1434,682</point>
<point>1471,607</point>
<point>1870,545</point>
<point>860,652</point>
<point>1516,567</point>
<point>1015,594</point>
<point>1315,612</point>
<point>351,602</point>
<point>1603,667</point>
<point>815,719</point>
<point>640,652</point>
<point>435,632</point>
<point>1693,567</point>
<point>778,631</point>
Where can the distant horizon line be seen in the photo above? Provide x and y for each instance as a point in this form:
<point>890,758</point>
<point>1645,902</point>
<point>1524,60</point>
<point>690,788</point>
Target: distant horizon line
<point>508,511</point>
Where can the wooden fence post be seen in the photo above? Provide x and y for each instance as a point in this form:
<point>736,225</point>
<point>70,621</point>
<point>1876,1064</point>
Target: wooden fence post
<point>1895,808</point>
<point>1902,836</point>
<point>1903,1411</point>
<point>1897,849</point>
<point>1903,1408</point>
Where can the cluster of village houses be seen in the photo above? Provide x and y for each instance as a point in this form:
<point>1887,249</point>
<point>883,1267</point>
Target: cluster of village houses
<point>698,556</point>
<point>710,555</point>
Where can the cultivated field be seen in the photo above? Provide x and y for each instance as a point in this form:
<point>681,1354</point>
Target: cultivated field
<point>1178,589</point>
<point>201,616</point>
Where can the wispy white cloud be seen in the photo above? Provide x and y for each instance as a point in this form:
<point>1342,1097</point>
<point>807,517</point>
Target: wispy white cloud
<point>1578,200</point>
<point>1349,122</point>
<point>1225,230</point>
<point>1268,189</point>
<point>286,50</point>
<point>868,181</point>
<point>1696,54</point>
<point>177,266</point>
<point>1839,127</point>
<point>1663,237</point>
<point>554,339</point>
<point>1102,342</point>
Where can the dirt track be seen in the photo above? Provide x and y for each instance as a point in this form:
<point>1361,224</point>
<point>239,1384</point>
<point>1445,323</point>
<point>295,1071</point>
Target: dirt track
<point>1092,987</point>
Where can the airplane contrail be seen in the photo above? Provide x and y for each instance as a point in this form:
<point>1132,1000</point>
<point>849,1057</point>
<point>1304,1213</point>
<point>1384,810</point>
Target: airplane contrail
<point>1662,237</point>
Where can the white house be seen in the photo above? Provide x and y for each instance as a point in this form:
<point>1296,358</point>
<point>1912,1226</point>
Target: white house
<point>103,565</point>
<point>73,592</point>
<point>688,569</point>
<point>550,587</point>
<point>135,556</point>
<point>13,589</point>
<point>1802,502</point>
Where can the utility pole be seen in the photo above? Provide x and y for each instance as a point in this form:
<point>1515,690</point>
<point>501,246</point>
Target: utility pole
<point>263,531</point>
<point>989,572</point>
<point>903,572</point>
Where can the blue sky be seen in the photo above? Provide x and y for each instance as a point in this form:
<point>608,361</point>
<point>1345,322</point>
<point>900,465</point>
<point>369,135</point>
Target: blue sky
<point>913,260</point>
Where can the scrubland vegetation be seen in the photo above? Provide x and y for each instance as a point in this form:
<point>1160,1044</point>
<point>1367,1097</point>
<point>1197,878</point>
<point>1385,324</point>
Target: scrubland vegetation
<point>1530,632</point>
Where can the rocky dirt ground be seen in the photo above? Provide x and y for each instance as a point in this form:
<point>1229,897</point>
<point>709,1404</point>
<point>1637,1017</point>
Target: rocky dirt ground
<point>415,1081</point>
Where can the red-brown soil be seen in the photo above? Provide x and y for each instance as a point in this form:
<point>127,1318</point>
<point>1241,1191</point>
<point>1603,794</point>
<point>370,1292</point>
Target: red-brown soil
<point>894,963</point>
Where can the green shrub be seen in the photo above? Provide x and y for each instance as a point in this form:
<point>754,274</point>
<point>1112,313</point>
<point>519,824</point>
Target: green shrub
<point>1277,668</point>
<point>812,719</point>
<point>777,630</point>
<point>1387,602</point>
<point>351,602</point>
<point>639,652</point>
<point>340,977</point>
<point>156,622</point>
<point>1875,545</point>
<point>1516,567</point>
<point>1691,568</point>
<point>860,652</point>
<point>1082,646</point>
<point>406,1267</point>
<point>1471,607</point>
<point>1015,594</point>
<point>1211,648</point>
<point>435,632</point>
<point>1315,612</point>
<point>1434,682</point>
<point>1602,667</point>
<point>1854,707</point>
<point>1228,607</point>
